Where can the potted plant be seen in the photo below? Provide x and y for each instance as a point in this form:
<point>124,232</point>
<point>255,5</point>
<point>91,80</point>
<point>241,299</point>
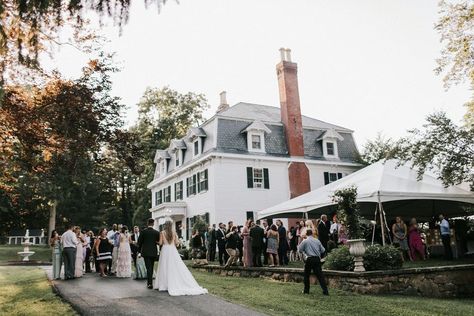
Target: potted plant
<point>348,214</point>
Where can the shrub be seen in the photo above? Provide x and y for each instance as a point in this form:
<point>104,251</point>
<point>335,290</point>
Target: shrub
<point>340,259</point>
<point>379,257</point>
<point>348,211</point>
<point>376,257</point>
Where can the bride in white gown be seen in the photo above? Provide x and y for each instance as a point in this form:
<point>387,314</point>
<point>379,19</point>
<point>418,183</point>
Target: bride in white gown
<point>173,275</point>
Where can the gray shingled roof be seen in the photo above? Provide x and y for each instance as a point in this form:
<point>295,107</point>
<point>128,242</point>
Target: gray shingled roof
<point>271,114</point>
<point>231,140</point>
<point>198,131</point>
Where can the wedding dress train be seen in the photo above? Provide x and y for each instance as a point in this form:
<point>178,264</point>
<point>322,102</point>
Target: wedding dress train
<point>173,275</point>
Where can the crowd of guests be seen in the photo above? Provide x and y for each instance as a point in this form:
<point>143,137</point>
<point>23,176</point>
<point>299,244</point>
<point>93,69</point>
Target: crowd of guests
<point>247,245</point>
<point>110,252</point>
<point>412,242</point>
<point>257,243</point>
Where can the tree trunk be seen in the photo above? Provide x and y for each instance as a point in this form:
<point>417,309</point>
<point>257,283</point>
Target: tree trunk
<point>52,218</point>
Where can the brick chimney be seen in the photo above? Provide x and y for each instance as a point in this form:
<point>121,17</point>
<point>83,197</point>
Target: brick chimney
<point>298,172</point>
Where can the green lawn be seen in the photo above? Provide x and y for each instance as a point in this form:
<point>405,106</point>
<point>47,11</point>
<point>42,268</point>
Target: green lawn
<point>8,253</point>
<point>279,298</point>
<point>26,291</point>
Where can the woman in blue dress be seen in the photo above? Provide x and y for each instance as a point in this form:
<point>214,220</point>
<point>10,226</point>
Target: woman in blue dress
<point>55,243</point>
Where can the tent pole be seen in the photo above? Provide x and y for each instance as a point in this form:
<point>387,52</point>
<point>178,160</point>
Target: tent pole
<point>386,224</point>
<point>373,228</point>
<point>381,224</point>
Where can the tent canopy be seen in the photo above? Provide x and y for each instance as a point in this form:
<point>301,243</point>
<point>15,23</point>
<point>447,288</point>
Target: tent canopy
<point>397,187</point>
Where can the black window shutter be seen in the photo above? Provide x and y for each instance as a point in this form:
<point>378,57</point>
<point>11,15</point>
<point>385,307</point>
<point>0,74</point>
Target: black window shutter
<point>249,177</point>
<point>199,182</point>
<point>206,184</point>
<point>339,175</point>
<point>187,186</point>
<point>175,191</point>
<point>326,178</point>
<point>266,179</point>
<point>194,182</point>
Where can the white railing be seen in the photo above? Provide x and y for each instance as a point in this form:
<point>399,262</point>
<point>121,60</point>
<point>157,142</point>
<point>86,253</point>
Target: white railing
<point>35,240</point>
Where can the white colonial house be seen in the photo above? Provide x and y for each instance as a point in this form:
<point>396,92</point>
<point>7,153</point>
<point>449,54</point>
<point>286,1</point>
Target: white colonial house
<point>248,157</point>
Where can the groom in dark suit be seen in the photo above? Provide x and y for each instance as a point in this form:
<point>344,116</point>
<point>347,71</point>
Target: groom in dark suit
<point>147,247</point>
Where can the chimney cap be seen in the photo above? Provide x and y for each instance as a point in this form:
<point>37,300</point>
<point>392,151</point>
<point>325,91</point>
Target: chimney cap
<point>285,54</point>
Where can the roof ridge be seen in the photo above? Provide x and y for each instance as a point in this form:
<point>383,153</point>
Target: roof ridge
<point>229,110</point>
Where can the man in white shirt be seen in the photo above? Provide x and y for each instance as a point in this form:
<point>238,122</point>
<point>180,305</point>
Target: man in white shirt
<point>445,237</point>
<point>111,237</point>
<point>69,243</point>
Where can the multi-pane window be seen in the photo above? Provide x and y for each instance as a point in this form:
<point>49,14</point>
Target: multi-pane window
<point>256,142</point>
<point>167,194</point>
<point>196,147</point>
<point>330,148</point>
<point>158,197</point>
<point>176,158</point>
<point>331,177</point>
<point>178,191</point>
<point>191,185</point>
<point>163,167</point>
<point>202,181</point>
<point>257,178</point>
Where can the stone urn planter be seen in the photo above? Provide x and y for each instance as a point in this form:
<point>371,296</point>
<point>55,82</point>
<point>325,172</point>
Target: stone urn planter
<point>357,249</point>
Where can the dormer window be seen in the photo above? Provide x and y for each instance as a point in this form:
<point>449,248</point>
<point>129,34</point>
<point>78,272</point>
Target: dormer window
<point>256,136</point>
<point>196,147</point>
<point>177,158</point>
<point>329,142</point>
<point>196,136</point>
<point>330,148</point>
<point>256,142</point>
<point>163,167</point>
<point>161,160</point>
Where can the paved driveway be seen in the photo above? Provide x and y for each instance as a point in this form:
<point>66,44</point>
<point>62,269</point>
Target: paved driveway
<point>92,295</point>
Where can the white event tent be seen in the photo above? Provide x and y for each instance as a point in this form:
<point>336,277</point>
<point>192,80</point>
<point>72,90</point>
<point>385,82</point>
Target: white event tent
<point>384,186</point>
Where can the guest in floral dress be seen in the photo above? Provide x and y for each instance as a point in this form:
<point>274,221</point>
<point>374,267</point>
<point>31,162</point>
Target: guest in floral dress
<point>124,255</point>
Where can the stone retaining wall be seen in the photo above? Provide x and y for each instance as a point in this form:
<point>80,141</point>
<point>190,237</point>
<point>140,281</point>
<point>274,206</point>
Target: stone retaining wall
<point>445,281</point>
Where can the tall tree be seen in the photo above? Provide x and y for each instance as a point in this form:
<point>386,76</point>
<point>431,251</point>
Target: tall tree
<point>441,146</point>
<point>455,26</point>
<point>164,114</point>
<point>55,133</point>
<point>377,149</point>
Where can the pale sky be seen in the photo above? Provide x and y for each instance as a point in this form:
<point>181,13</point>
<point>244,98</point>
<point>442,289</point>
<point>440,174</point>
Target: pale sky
<point>364,65</point>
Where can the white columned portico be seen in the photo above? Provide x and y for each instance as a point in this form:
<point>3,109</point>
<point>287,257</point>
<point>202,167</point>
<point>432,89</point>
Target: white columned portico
<point>174,210</point>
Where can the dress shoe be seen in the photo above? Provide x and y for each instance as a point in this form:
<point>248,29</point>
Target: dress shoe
<point>149,286</point>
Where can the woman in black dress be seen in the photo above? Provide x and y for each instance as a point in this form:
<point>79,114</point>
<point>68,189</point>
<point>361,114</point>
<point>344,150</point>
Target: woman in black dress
<point>103,249</point>
<point>198,253</point>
